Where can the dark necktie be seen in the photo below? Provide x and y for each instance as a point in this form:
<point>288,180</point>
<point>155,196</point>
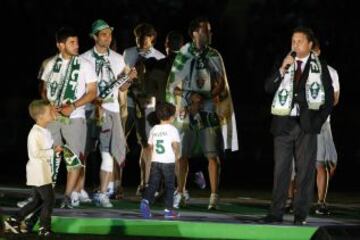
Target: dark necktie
<point>298,73</point>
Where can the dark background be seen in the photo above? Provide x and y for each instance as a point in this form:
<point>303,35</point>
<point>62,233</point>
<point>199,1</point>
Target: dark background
<point>251,36</point>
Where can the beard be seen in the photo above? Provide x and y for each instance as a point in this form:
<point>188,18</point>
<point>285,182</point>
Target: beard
<point>205,41</point>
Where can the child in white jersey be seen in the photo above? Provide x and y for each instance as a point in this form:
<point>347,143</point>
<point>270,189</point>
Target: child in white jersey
<point>164,142</point>
<point>38,170</point>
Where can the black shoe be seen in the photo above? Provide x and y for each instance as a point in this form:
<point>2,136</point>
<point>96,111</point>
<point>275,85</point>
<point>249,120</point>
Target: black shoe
<point>29,226</point>
<point>322,209</point>
<point>271,219</point>
<point>45,232</point>
<point>299,221</point>
<point>12,225</point>
<point>30,223</point>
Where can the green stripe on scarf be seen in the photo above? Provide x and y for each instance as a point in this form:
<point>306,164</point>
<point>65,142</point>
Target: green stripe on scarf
<point>72,161</point>
<point>70,82</point>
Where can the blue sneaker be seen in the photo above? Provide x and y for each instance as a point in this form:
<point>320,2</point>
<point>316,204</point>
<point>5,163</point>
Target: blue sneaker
<point>145,209</point>
<point>170,214</point>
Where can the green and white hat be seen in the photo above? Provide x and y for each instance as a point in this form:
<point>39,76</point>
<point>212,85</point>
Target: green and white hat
<point>99,25</point>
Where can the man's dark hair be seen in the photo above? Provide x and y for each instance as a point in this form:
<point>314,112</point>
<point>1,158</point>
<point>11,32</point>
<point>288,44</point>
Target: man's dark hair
<point>144,29</point>
<point>307,31</point>
<point>316,44</point>
<point>174,40</point>
<point>64,33</point>
<point>195,24</point>
<point>165,110</point>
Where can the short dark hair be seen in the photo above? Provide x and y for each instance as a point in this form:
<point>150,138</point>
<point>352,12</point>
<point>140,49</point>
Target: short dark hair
<point>64,33</point>
<point>309,33</point>
<point>37,107</point>
<point>316,43</point>
<point>144,29</point>
<point>195,24</point>
<point>165,110</point>
<point>174,40</point>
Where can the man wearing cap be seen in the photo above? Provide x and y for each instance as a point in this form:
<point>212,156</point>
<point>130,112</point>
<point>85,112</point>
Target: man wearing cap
<point>69,84</point>
<point>112,75</point>
<point>140,100</point>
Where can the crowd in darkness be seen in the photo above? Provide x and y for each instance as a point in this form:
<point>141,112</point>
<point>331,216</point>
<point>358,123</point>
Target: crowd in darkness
<point>251,35</point>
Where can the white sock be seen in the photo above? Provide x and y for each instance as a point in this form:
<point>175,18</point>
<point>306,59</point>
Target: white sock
<point>111,186</point>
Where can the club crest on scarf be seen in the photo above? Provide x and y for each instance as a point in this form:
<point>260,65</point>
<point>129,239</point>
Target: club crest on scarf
<point>203,75</point>
<point>283,95</point>
<point>314,90</point>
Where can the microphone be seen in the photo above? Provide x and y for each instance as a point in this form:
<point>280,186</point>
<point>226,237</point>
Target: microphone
<point>293,54</point>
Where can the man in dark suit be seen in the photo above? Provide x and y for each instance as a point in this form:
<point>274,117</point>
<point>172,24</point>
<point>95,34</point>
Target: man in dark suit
<point>302,102</point>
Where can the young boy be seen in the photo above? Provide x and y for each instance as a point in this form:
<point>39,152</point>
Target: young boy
<point>38,170</point>
<point>164,142</point>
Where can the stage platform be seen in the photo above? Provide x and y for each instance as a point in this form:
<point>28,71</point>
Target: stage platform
<point>237,218</point>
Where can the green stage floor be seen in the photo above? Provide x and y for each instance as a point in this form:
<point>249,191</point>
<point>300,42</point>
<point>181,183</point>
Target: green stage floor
<point>236,219</point>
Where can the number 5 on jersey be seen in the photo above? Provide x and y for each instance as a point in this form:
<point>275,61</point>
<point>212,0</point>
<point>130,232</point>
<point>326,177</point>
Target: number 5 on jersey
<point>160,149</point>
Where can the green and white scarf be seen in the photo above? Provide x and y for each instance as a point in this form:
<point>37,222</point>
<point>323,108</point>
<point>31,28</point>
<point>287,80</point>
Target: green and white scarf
<point>106,76</point>
<point>72,161</point>
<point>187,66</point>
<point>62,89</point>
<point>314,89</point>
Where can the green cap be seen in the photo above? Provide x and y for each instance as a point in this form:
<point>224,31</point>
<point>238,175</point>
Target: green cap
<point>99,25</point>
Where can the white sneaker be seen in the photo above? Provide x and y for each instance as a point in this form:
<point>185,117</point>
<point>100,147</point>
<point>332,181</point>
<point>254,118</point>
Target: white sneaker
<point>213,201</point>
<point>20,204</point>
<point>84,197</point>
<point>186,196</point>
<point>104,201</point>
<point>178,200</point>
<point>75,201</point>
<point>110,192</point>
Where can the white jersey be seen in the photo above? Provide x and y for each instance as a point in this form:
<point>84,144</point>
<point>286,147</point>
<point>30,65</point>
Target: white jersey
<point>86,76</point>
<point>117,65</point>
<point>334,79</point>
<point>335,82</point>
<point>132,54</point>
<point>40,152</point>
<point>161,137</point>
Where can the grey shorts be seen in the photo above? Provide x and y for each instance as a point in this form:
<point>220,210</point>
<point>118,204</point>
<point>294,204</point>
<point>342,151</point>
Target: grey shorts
<point>72,134</point>
<point>207,142</point>
<point>326,150</point>
<point>93,130</point>
<point>112,137</point>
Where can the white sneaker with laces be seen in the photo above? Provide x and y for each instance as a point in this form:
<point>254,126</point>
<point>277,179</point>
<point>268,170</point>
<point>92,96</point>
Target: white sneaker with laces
<point>178,200</point>
<point>213,201</point>
<point>20,204</point>
<point>186,196</point>
<point>84,197</point>
<point>75,201</point>
<point>104,201</point>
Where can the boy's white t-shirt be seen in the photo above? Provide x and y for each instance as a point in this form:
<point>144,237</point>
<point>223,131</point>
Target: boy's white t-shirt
<point>40,152</point>
<point>161,137</point>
